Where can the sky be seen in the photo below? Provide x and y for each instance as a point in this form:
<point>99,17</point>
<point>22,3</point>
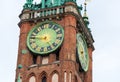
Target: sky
<point>104,17</point>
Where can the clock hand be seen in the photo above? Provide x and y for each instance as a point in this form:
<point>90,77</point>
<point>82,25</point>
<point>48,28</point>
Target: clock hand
<point>41,38</point>
<point>38,37</point>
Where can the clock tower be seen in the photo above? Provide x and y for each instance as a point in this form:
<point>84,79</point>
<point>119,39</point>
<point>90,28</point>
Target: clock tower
<point>55,43</point>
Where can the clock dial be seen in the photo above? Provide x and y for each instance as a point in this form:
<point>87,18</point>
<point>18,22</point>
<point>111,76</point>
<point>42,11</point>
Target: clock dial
<point>82,52</point>
<point>45,37</point>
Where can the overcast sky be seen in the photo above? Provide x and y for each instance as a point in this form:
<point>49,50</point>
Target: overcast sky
<point>104,16</point>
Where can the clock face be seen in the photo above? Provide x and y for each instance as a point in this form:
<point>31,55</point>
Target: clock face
<point>45,37</point>
<point>82,52</point>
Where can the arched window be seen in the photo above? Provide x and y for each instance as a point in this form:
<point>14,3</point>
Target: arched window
<point>70,77</point>
<point>65,76</point>
<point>32,79</point>
<point>55,77</point>
<point>44,79</point>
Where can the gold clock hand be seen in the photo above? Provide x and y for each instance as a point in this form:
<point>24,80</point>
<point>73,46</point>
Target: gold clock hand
<point>41,38</point>
<point>37,37</point>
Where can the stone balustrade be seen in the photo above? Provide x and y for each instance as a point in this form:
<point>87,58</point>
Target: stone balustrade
<point>33,14</point>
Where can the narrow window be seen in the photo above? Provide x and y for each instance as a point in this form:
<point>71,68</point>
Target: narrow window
<point>57,55</point>
<point>55,77</point>
<point>32,79</point>
<point>70,77</point>
<point>44,79</point>
<point>65,76</point>
<point>34,59</point>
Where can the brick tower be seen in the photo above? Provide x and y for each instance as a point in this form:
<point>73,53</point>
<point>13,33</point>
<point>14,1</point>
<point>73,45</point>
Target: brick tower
<point>55,43</point>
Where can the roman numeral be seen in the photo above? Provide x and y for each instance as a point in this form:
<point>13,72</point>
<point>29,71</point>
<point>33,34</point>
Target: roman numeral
<point>57,41</point>
<point>32,40</point>
<point>39,29</point>
<point>38,48</point>
<point>59,35</point>
<point>58,29</point>
<point>46,26</point>
<point>49,48</point>
<point>52,26</point>
<point>59,32</point>
<point>34,34</point>
<point>33,45</point>
<point>45,49</point>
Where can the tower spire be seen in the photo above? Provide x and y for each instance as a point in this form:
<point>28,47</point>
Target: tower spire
<point>85,17</point>
<point>85,10</point>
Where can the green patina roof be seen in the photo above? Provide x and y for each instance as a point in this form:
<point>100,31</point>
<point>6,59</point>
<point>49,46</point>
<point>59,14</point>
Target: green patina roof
<point>45,4</point>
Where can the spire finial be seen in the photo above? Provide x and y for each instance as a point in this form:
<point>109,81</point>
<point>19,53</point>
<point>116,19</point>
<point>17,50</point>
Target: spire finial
<point>85,10</point>
<point>85,17</point>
